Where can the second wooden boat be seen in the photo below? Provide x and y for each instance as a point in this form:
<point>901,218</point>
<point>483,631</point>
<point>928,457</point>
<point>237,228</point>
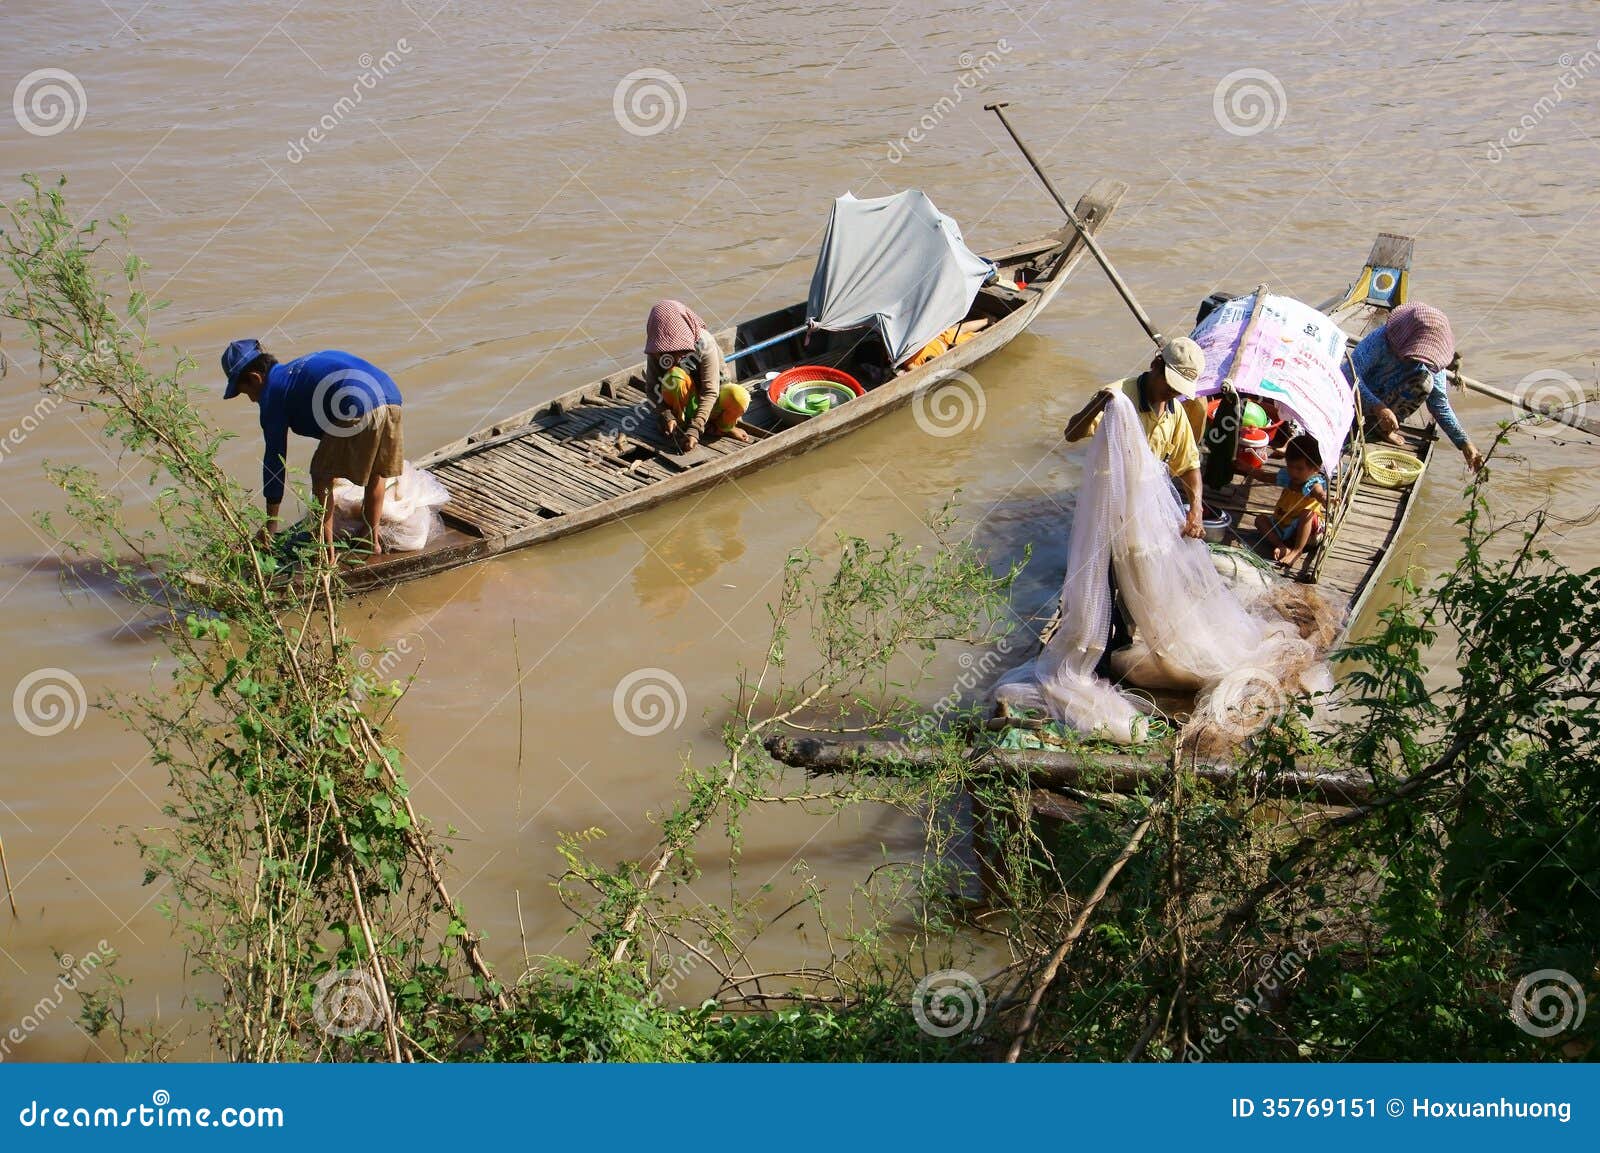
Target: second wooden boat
<point>595,455</point>
<point>1366,522</point>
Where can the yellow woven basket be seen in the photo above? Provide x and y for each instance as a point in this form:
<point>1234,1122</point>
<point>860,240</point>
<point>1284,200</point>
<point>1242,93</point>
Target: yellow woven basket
<point>1392,467</point>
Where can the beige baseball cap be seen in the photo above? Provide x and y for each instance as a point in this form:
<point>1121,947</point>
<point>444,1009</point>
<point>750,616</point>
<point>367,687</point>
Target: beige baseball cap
<point>1184,362</point>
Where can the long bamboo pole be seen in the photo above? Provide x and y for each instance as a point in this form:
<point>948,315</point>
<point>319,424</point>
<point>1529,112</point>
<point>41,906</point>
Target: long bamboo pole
<point>1566,416</point>
<point>6,869</point>
<point>1116,280</point>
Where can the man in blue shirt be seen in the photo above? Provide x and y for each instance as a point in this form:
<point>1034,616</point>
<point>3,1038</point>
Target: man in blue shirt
<point>1403,366</point>
<point>350,407</point>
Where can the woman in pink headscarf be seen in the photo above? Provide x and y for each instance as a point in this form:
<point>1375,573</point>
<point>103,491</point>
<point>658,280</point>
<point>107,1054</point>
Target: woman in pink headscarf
<point>1405,365</point>
<point>683,372</point>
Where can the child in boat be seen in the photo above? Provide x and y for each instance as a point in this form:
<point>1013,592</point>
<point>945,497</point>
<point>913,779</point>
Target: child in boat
<point>1297,521</point>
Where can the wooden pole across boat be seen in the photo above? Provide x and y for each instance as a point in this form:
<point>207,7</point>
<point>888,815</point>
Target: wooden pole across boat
<point>1564,415</point>
<point>1231,380</point>
<point>1116,281</point>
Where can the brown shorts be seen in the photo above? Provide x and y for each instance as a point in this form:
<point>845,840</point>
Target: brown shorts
<point>373,447</point>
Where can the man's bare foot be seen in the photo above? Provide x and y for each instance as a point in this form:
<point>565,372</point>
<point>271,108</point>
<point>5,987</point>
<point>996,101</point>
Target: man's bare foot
<point>739,434</point>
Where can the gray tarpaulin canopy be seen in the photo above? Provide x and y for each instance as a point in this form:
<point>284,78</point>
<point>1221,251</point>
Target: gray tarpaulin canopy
<point>896,262</point>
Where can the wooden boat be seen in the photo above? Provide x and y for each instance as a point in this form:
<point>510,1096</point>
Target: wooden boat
<point>595,454</point>
<point>1366,521</point>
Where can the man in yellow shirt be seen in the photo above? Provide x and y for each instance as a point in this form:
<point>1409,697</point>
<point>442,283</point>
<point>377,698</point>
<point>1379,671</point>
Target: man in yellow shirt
<point>1158,393</point>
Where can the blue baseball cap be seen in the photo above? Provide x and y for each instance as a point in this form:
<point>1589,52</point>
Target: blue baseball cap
<point>237,357</point>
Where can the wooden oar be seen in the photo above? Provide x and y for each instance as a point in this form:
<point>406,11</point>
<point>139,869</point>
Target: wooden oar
<point>1116,281</point>
<point>6,870</point>
<point>1567,417</point>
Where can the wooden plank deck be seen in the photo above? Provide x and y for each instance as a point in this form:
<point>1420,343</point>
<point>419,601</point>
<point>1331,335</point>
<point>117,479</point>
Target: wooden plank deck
<point>1359,543</point>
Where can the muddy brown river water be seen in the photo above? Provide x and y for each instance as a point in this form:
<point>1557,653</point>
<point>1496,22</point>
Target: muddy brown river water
<point>485,199</point>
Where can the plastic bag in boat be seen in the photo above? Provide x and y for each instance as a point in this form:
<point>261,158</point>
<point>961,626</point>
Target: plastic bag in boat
<point>1240,661</point>
<point>409,516</point>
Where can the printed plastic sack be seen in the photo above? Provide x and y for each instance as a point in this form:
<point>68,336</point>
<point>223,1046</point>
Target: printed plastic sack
<point>409,518</point>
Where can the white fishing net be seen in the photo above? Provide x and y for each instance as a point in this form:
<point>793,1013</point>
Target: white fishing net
<point>1191,630</point>
<point>409,509</point>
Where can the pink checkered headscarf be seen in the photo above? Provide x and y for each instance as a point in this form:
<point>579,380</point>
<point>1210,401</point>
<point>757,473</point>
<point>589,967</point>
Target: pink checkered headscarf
<point>1420,332</point>
<point>672,327</point>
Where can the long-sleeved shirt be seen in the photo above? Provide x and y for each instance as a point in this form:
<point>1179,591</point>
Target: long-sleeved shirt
<point>1403,386</point>
<point>704,364</point>
<point>310,396</point>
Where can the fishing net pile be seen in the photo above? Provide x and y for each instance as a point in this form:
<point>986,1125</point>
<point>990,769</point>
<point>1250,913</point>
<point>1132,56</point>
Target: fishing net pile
<point>1237,653</point>
<point>410,509</point>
